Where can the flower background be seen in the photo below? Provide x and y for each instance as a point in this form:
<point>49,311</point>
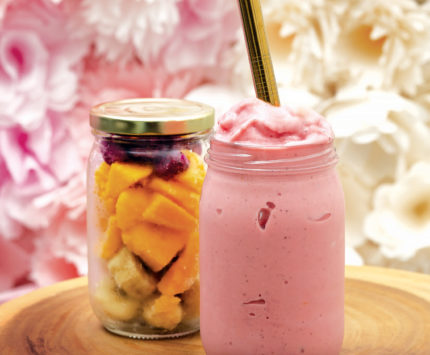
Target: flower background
<point>364,64</point>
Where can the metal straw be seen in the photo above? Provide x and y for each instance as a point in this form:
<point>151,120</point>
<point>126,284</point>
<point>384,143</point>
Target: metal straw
<point>258,51</point>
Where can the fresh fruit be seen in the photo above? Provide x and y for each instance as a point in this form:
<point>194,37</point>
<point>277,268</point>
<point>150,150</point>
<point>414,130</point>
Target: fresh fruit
<point>155,245</point>
<point>163,312</point>
<point>170,163</point>
<point>193,177</point>
<point>183,272</point>
<point>166,160</point>
<point>165,212</point>
<point>178,192</point>
<point>124,175</point>
<point>130,276</point>
<point>113,304</point>
<point>130,206</point>
<point>151,196</point>
<point>101,179</point>
<point>112,241</point>
<point>191,301</point>
<point>112,151</point>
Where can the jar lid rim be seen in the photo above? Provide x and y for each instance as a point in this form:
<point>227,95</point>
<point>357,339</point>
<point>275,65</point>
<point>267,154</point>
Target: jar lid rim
<point>152,116</point>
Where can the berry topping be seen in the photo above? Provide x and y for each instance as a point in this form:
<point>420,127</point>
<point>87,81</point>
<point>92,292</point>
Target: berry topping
<point>112,151</point>
<point>170,164</point>
<point>166,160</point>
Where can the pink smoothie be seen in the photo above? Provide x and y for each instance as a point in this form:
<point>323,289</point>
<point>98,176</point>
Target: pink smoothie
<point>271,235</point>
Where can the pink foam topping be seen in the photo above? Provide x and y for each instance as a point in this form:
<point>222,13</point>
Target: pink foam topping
<point>255,122</point>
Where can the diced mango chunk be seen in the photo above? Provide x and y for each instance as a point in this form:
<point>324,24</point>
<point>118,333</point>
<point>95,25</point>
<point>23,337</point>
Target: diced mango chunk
<point>113,304</point>
<point>130,276</point>
<point>193,177</point>
<point>178,192</point>
<point>191,300</point>
<point>124,175</point>
<point>184,271</point>
<point>163,312</point>
<point>130,206</point>
<point>101,178</point>
<point>155,245</point>
<point>109,204</point>
<point>112,241</point>
<point>165,212</point>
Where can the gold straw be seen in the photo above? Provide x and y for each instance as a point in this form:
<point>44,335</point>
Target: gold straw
<point>258,51</point>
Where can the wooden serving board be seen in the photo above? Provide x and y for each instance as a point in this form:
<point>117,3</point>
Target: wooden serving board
<point>386,312</point>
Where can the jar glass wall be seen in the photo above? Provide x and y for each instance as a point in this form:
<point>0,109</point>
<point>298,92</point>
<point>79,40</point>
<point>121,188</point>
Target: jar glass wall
<point>143,203</point>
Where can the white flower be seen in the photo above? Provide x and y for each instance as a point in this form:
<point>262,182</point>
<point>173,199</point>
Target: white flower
<point>236,59</point>
<point>364,138</point>
<point>206,30</point>
<point>415,124</point>
<point>400,221</point>
<point>420,262</point>
<point>373,127</point>
<point>301,35</point>
<point>371,255</point>
<point>378,135</point>
<point>219,97</point>
<point>358,202</point>
<point>383,44</point>
<point>133,27</point>
<point>352,257</point>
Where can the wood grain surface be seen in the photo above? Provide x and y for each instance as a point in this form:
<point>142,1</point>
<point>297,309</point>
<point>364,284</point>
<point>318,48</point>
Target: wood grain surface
<point>386,312</point>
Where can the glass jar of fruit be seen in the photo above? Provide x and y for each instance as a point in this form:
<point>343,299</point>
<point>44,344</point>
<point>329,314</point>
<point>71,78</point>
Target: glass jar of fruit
<point>145,175</point>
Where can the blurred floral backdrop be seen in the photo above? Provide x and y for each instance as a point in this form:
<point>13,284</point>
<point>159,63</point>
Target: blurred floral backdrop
<point>364,64</point>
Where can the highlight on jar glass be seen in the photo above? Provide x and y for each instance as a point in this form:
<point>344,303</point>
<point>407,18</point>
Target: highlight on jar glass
<point>145,174</point>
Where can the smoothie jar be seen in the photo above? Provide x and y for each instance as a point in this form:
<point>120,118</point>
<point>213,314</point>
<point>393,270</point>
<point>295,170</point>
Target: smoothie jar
<point>145,175</point>
<point>271,250</point>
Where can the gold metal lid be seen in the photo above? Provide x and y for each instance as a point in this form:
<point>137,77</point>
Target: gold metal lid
<point>152,116</point>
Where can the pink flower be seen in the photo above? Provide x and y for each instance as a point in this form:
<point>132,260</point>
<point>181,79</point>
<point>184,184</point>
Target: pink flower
<point>38,84</point>
<point>128,29</point>
<point>14,264</point>
<point>56,61</point>
<point>35,163</point>
<point>3,6</point>
<point>53,253</point>
<point>61,250</point>
<point>16,292</point>
<point>36,64</point>
<point>207,28</point>
<point>178,34</point>
<point>38,157</point>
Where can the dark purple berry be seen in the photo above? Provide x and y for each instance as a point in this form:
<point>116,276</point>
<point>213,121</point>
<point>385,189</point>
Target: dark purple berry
<point>112,151</point>
<point>169,164</point>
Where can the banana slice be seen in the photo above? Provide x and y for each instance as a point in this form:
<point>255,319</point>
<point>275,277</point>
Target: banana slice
<point>163,311</point>
<point>113,304</point>
<point>130,276</point>
<point>191,300</point>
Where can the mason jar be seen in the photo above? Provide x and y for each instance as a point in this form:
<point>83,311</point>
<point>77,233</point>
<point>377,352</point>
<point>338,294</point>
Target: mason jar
<point>145,174</point>
<point>271,250</point>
